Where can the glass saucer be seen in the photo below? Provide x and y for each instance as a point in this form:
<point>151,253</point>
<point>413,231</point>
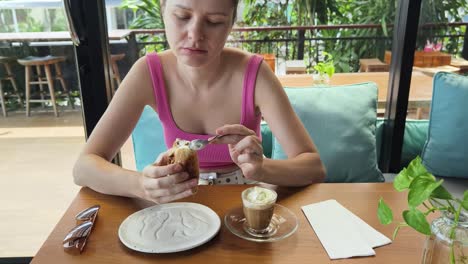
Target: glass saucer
<point>283,224</point>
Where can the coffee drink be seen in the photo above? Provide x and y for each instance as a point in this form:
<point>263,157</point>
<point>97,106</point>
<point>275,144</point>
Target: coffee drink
<point>258,206</point>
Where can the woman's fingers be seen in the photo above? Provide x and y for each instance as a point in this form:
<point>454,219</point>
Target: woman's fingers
<point>249,158</point>
<point>169,186</point>
<point>162,160</point>
<point>228,139</point>
<point>234,129</point>
<point>250,144</point>
<point>152,171</point>
<point>169,191</point>
<point>232,134</point>
<point>171,180</point>
<point>170,198</point>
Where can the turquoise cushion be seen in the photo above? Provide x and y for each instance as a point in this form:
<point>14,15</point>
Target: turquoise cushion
<point>148,139</point>
<point>413,140</point>
<point>445,152</point>
<point>341,121</point>
<point>379,126</point>
<point>267,139</point>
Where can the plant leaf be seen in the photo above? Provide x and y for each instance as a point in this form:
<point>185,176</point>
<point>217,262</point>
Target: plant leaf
<point>384,26</point>
<point>384,213</point>
<point>465,200</point>
<point>402,180</point>
<point>441,193</point>
<point>417,220</point>
<point>416,168</point>
<point>421,189</point>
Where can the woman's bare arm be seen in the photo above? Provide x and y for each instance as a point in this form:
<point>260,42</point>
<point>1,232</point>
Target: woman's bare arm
<point>303,165</point>
<point>93,168</point>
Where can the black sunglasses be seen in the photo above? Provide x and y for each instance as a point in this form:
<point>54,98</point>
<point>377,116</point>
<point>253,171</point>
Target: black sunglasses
<point>76,239</point>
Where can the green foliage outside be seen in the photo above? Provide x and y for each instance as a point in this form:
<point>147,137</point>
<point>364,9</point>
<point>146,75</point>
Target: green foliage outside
<point>6,15</point>
<point>58,22</point>
<point>28,23</point>
<point>327,66</point>
<point>345,45</point>
<point>367,43</point>
<point>147,15</point>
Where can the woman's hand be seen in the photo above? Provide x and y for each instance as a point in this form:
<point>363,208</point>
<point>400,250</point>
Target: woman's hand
<point>245,148</point>
<point>162,184</point>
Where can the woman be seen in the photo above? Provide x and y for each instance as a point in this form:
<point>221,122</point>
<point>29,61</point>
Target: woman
<point>199,89</point>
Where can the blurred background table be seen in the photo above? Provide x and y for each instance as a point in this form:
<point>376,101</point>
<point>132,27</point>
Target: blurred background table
<point>420,90</point>
<point>54,36</point>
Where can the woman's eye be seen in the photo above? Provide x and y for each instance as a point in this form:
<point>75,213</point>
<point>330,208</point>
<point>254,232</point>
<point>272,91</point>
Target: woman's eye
<point>182,17</point>
<point>215,22</point>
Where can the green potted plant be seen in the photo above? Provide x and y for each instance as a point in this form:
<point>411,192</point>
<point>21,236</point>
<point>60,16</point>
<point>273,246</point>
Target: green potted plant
<point>324,70</point>
<point>447,235</point>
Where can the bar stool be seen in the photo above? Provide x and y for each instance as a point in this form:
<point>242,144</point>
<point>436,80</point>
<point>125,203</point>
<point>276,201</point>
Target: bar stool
<point>115,70</point>
<point>45,62</point>
<point>6,62</point>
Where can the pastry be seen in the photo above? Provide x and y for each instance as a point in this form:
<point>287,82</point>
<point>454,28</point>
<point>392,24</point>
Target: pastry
<point>182,154</point>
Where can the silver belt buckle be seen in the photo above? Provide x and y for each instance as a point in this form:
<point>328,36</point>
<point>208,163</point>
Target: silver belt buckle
<point>209,176</point>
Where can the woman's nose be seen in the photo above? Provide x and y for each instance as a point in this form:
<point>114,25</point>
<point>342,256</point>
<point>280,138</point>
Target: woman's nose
<point>196,30</point>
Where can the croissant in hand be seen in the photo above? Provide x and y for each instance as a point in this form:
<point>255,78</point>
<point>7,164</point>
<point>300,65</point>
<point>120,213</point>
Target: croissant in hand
<point>182,154</point>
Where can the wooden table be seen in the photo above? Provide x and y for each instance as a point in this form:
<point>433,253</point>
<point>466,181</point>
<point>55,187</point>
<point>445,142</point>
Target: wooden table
<point>54,36</point>
<point>303,246</point>
<point>420,90</point>
<point>431,71</point>
<point>373,65</point>
<point>460,63</point>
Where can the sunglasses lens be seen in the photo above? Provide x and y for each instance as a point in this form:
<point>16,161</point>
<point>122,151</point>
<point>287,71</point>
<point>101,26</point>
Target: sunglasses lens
<point>75,240</point>
<point>87,214</point>
<point>76,233</point>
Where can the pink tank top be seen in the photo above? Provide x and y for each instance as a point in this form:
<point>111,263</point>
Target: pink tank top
<point>217,155</point>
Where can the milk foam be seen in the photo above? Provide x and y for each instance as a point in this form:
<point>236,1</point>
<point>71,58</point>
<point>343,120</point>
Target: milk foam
<point>181,144</point>
<point>258,197</point>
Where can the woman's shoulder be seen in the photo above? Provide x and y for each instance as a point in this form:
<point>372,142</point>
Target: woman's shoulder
<point>237,58</point>
<point>162,55</point>
<point>237,53</point>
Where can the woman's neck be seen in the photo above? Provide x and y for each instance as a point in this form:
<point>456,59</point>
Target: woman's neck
<point>201,78</point>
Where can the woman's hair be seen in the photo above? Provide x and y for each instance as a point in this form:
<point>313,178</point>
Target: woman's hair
<point>235,4</point>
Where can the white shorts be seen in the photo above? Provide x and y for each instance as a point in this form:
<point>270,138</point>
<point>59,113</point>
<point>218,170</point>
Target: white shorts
<point>235,177</point>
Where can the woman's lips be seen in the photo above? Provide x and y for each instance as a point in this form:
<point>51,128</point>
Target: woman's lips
<point>193,51</point>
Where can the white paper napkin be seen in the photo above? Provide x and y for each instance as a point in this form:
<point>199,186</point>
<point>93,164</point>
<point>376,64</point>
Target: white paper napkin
<point>342,233</point>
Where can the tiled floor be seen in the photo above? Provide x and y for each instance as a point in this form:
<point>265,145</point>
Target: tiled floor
<point>36,159</point>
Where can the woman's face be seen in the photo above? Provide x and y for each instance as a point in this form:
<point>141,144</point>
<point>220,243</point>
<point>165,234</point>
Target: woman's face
<point>197,29</point>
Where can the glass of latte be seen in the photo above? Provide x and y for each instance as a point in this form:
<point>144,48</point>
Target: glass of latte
<point>258,206</point>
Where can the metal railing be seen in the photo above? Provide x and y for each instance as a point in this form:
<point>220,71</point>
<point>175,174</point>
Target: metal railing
<point>347,43</point>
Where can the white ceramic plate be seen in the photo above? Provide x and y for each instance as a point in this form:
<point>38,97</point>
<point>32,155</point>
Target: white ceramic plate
<point>171,227</point>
